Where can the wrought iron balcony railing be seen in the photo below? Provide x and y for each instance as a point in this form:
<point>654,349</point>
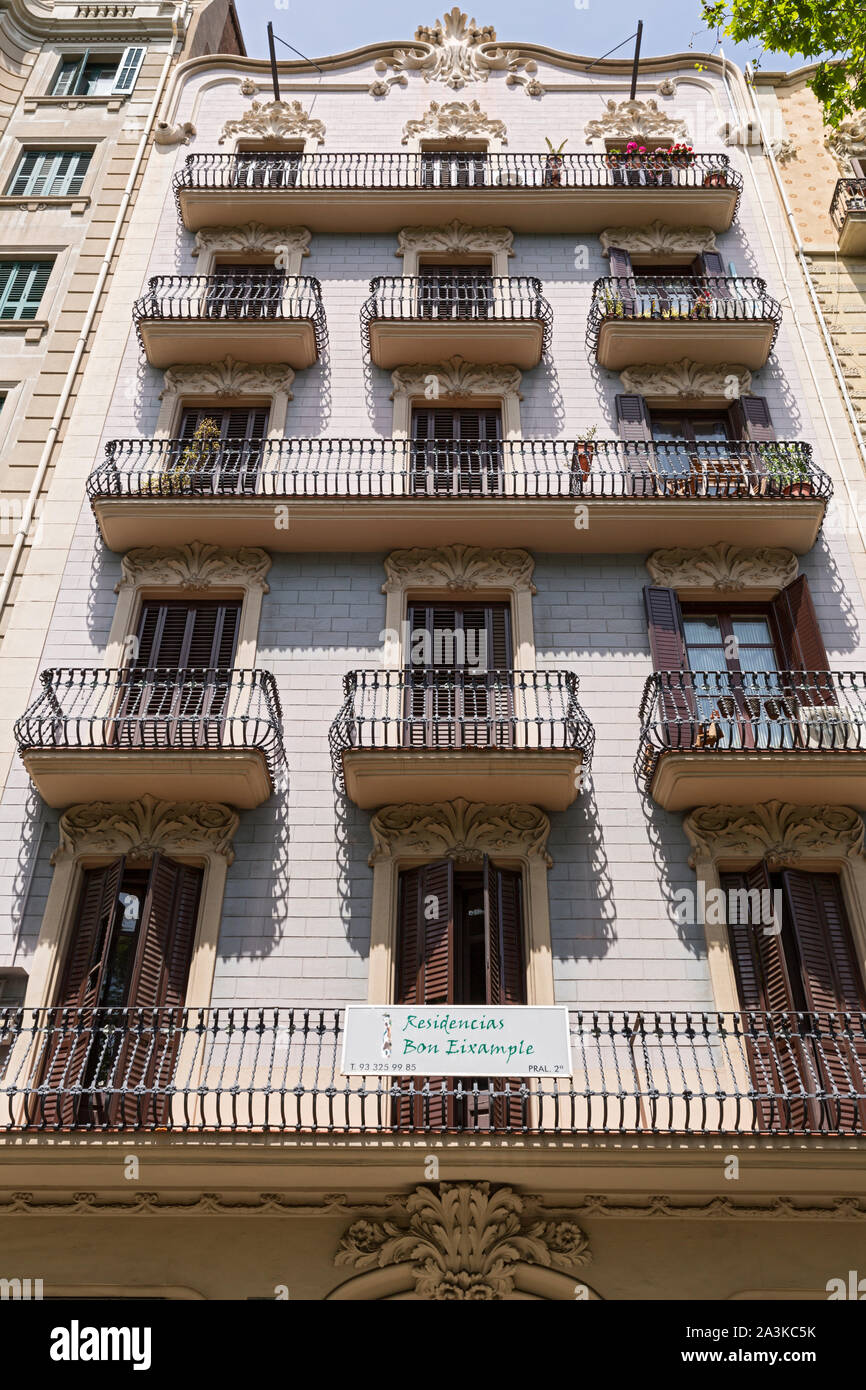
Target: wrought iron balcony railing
<point>262,296</point>
<point>386,468</point>
<point>437,170</point>
<point>154,709</point>
<point>477,299</point>
<point>849,196</point>
<point>681,298</point>
<point>241,1070</point>
<point>714,712</point>
<point>428,707</point>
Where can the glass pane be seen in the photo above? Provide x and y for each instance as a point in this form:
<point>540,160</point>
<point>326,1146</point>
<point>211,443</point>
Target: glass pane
<point>711,430</point>
<point>703,630</point>
<point>753,629</point>
<point>668,429</point>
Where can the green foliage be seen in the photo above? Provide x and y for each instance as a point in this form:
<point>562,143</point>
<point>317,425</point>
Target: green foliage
<point>835,33</point>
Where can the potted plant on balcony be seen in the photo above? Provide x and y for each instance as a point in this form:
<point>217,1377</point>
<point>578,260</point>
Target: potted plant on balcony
<point>716,178</point>
<point>197,458</point>
<point>553,163</point>
<point>584,449</point>
<point>681,155</point>
<point>701,306</point>
<point>789,468</point>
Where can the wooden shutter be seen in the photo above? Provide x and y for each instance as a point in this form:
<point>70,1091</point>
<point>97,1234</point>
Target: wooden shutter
<point>157,985</point>
<point>506,979</point>
<point>466,457</point>
<point>832,984</point>
<point>451,702</point>
<point>24,173</point>
<point>633,419</point>
<point>22,285</point>
<point>802,643</point>
<point>751,420</point>
<point>711,265</point>
<point>621,271</point>
<point>64,1065</point>
<point>128,69</point>
<point>635,431</point>
<point>177,634</point>
<point>776,1059</point>
<point>425,975</point>
<point>668,648</point>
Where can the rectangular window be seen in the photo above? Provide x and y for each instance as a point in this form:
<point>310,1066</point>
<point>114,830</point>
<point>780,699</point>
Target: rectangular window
<point>22,285</point>
<point>49,174</point>
<point>459,685</point>
<point>455,452</point>
<point>455,291</point>
<point>90,76</point>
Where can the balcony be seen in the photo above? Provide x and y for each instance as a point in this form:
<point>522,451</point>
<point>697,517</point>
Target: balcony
<point>180,735</point>
<point>797,736</point>
<point>433,734</point>
<point>382,192</point>
<point>374,494</point>
<point>261,317</point>
<point>428,318</point>
<point>277,1070</point>
<point>848,212</point>
<point>640,319</point>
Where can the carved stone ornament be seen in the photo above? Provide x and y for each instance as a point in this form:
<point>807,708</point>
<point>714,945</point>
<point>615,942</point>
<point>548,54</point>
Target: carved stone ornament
<point>249,87</point>
<point>195,566</point>
<point>687,380</point>
<point>635,120</point>
<point>179,134</point>
<point>723,568</point>
<point>657,239</point>
<point>459,830</point>
<point>848,137</point>
<point>455,377</point>
<point>776,831</point>
<point>456,238</point>
<point>456,51</point>
<point>667,87</point>
<point>274,120</point>
<point>228,378</point>
<point>784,149</point>
<point>463,1241</point>
<point>458,567</point>
<point>454,120</point>
<point>140,828</point>
<point>253,238</point>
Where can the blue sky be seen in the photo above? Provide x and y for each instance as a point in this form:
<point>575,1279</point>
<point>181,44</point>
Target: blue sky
<point>334,26</point>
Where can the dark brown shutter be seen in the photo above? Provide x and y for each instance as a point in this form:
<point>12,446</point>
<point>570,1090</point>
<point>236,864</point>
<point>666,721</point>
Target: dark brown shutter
<point>506,978</point>
<point>711,265</point>
<point>620,263</point>
<point>158,984</point>
<point>667,644</point>
<point>632,419</point>
<point>751,420</point>
<point>776,1059</point>
<point>233,424</point>
<point>74,1043</point>
<point>832,985</point>
<point>181,634</point>
<point>425,975</point>
<point>802,642</point>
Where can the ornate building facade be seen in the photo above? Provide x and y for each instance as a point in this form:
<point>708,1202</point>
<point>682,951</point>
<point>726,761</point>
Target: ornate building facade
<point>452,616</point>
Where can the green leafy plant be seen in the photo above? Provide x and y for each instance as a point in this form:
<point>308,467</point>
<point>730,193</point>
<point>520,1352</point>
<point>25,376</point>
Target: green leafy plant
<point>555,149</point>
<point>787,464</point>
<point>200,453</point>
<point>833,36</point>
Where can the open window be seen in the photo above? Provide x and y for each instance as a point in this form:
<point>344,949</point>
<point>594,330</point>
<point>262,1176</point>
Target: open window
<point>460,941</point>
<point>804,972</point>
<point>112,1052</point>
<point>99,75</point>
<point>686,451</point>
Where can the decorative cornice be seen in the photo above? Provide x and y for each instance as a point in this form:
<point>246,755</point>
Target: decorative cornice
<point>253,238</point>
<point>715,569</point>
<point>455,238</point>
<point>145,826</point>
<point>775,831</point>
<point>463,567</point>
<point>456,377</point>
<point>459,830</point>
<point>848,136</point>
<point>456,51</point>
<point>455,120</point>
<point>687,380</point>
<point>228,378</point>
<point>274,120</point>
<point>463,1241</point>
<point>635,120</point>
<point>657,239</point>
<point>195,566</point>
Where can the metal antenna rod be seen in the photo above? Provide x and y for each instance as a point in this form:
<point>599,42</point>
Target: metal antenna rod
<point>636,59</point>
<point>274,76</point>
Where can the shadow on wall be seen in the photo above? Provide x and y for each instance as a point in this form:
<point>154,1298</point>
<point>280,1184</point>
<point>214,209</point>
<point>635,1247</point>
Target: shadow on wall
<point>33,872</point>
<point>580,886</point>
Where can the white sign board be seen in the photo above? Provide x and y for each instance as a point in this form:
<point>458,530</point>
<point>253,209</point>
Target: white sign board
<point>456,1040</point>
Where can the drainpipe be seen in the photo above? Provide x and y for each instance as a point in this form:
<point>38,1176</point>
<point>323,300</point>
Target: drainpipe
<point>178,27</point>
<point>804,267</point>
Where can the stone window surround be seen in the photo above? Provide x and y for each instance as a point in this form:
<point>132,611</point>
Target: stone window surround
<point>190,571</point>
<point>454,240</point>
<point>407,836</point>
<point>251,239</point>
<point>455,573</point>
<point>724,572</point>
<point>817,838</point>
<point>55,290</point>
<point>224,384</point>
<point>42,137</point>
<point>459,383</point>
<point>91,835</point>
<point>273,125</point>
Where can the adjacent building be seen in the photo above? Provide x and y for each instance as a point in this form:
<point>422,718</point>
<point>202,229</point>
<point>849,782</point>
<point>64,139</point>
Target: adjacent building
<point>446,611</point>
